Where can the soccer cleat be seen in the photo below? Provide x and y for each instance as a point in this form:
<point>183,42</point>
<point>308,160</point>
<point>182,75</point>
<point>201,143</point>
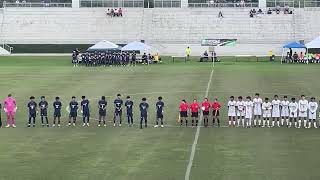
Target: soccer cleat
<point>156,126</point>
<point>105,125</point>
<point>119,125</point>
<point>114,125</point>
<point>14,126</point>
<point>29,125</point>
<point>7,126</point>
<point>74,124</point>
<point>69,124</point>
<point>84,124</point>
<point>88,124</point>
<point>53,125</point>
<point>42,125</point>
<point>47,125</point>
<point>58,125</point>
<point>162,126</point>
<point>33,125</point>
<point>98,125</point>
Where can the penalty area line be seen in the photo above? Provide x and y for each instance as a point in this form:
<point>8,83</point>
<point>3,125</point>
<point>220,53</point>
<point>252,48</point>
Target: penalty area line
<point>196,137</point>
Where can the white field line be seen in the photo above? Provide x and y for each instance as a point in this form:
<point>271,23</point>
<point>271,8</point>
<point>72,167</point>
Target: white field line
<point>196,137</point>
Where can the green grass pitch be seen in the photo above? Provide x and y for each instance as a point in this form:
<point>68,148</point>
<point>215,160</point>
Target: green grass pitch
<point>125,153</point>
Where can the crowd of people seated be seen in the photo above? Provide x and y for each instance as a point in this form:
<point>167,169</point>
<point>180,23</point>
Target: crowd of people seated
<point>114,12</point>
<point>278,9</point>
<point>302,57</point>
<point>113,58</point>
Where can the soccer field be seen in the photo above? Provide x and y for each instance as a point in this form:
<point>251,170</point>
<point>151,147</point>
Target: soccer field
<point>129,153</point>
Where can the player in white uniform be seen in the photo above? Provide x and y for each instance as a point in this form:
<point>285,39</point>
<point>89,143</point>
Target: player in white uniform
<point>303,109</point>
<point>232,111</point>
<point>240,111</point>
<point>312,106</point>
<point>257,109</point>
<point>266,114</point>
<point>248,110</point>
<point>293,112</point>
<point>285,111</point>
<point>276,111</point>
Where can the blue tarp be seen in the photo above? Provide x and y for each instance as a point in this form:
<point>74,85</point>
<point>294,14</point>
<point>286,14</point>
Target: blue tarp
<point>136,46</point>
<point>294,45</point>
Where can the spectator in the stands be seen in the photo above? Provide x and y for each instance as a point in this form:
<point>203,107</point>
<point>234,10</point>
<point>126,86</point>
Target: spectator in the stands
<point>220,15</point>
<point>116,12</point>
<point>112,12</point>
<point>251,14</point>
<point>242,3</point>
<point>144,59</point>
<point>301,57</point>
<point>17,3</point>
<point>286,9</point>
<point>287,59</point>
<point>254,11</point>
<point>120,12</point>
<point>278,9</point>
<point>204,56</point>
<point>108,13</point>
<point>290,53</point>
<point>269,11</point>
<point>260,11</point>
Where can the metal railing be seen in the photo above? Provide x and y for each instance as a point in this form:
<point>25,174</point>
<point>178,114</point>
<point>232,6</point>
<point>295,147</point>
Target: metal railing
<point>112,3</point>
<point>167,4</point>
<point>225,5</point>
<point>7,47</point>
<point>311,4</point>
<point>280,3</point>
<point>45,5</point>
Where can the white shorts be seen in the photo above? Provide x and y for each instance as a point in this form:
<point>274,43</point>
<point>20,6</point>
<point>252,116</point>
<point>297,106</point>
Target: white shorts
<point>257,112</point>
<point>266,114</point>
<point>312,116</point>
<point>303,114</point>
<point>275,114</point>
<point>285,113</point>
<point>293,114</point>
<point>240,113</point>
<point>248,116</point>
<point>232,114</point>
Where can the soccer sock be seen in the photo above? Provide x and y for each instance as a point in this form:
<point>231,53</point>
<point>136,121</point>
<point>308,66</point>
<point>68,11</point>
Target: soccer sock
<point>196,122</point>
<point>192,121</point>
<point>218,121</point>
<point>309,124</point>
<point>213,121</point>
<point>0,121</point>
<point>295,124</point>
<point>247,122</point>
<point>264,122</point>
<point>254,122</point>
<point>259,122</point>
<point>84,119</point>
<point>29,120</point>
<point>242,121</point>
<point>314,124</point>
<point>305,123</point>
<point>299,123</point>
<point>88,120</point>
<point>287,121</point>
<point>161,121</point>
<point>145,122</point>
<point>54,120</point>
<point>74,120</point>
<point>120,119</point>
<point>181,122</point>
<point>272,122</point>
<point>229,123</point>
<point>128,119</point>
<point>238,121</point>
<point>268,123</point>
<point>278,123</point>
<point>282,122</point>
<point>47,121</point>
<point>58,120</point>
<point>34,121</point>
<point>42,119</point>
<point>250,122</point>
<point>186,122</point>
<point>114,120</point>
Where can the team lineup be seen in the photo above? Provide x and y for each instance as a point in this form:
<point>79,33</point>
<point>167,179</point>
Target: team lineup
<point>241,113</point>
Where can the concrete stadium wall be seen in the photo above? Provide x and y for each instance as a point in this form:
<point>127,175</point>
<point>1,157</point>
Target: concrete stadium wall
<point>168,30</point>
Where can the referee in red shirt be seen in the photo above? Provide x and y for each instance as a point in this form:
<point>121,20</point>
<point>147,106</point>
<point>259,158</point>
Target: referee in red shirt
<point>194,107</point>
<point>215,111</point>
<point>205,110</point>
<point>183,108</point>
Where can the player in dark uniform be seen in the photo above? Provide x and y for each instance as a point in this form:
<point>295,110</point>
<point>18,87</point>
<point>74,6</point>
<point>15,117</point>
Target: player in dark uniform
<point>159,107</point>
<point>43,105</point>
<point>144,112</point>
<point>32,105</point>
<point>133,59</point>
<point>118,109</point>
<point>102,104</point>
<point>129,105</point>
<point>57,111</point>
<point>73,107</point>
<point>74,59</point>
<point>85,110</point>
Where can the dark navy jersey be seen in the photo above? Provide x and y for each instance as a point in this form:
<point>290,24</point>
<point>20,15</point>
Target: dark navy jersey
<point>118,104</point>
<point>85,105</point>
<point>57,106</point>
<point>129,105</point>
<point>159,106</point>
<point>43,105</point>
<point>102,105</point>
<point>144,108</point>
<point>73,106</point>
<point>32,107</point>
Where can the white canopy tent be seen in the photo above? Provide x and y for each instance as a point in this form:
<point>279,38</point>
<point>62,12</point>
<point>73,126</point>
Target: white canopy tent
<point>104,45</point>
<point>138,46</point>
<point>314,44</point>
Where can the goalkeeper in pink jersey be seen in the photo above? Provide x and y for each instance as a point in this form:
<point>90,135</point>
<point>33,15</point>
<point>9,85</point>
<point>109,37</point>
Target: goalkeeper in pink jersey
<point>10,107</point>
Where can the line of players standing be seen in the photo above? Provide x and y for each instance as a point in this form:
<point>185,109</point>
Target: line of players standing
<point>107,59</point>
<point>85,111</point>
<point>283,112</point>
